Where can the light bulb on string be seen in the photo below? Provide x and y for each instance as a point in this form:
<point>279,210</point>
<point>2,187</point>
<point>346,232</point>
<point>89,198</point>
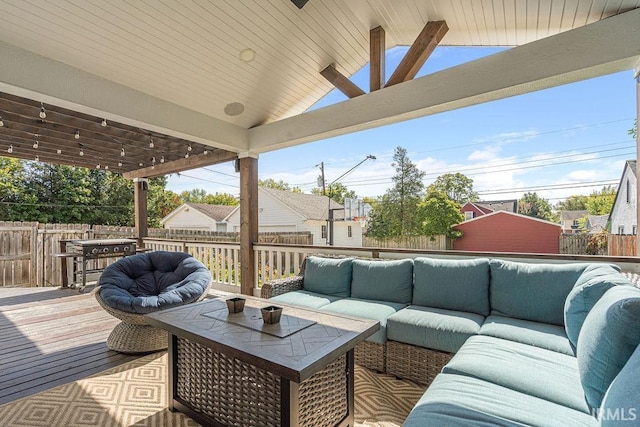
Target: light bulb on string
<point>43,114</point>
<point>98,166</point>
<point>59,151</point>
<point>120,164</point>
<point>35,144</point>
<point>106,167</point>
<point>77,135</point>
<point>122,153</point>
<point>189,148</point>
<point>140,164</point>
<point>81,151</point>
<point>162,159</point>
<point>205,152</point>
<point>37,158</point>
<point>186,156</point>
<point>10,149</point>
<point>151,144</point>
<point>104,123</point>
<point>1,122</point>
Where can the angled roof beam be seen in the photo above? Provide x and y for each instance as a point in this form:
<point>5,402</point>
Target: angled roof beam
<point>417,55</point>
<point>604,47</point>
<point>342,83</point>
<point>376,53</point>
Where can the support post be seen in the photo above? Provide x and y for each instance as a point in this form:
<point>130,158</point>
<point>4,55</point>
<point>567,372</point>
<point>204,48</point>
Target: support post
<point>140,188</point>
<point>248,221</point>
<point>637,76</point>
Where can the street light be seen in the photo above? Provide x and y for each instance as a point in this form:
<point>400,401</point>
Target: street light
<point>329,210</point>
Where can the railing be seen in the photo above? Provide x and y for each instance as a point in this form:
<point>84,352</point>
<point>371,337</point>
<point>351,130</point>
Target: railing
<point>274,261</point>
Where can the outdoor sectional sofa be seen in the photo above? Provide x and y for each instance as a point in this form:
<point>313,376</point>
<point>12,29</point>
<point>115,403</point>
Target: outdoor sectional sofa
<point>499,342</point>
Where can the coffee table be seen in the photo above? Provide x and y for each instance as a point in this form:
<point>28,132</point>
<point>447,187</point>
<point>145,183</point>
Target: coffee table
<point>231,369</point>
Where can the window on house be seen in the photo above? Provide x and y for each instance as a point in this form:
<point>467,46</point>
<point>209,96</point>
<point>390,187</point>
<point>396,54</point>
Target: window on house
<point>634,230</point>
<point>349,231</point>
<point>468,215</point>
<point>324,232</point>
<point>621,229</point>
<point>628,188</point>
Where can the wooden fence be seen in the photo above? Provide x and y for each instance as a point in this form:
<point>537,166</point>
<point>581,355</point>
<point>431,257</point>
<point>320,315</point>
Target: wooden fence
<point>438,242</point>
<point>622,245</point>
<point>27,248</point>
<point>616,245</point>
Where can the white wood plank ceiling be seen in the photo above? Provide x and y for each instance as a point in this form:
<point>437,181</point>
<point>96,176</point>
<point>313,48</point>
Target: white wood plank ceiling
<point>188,52</point>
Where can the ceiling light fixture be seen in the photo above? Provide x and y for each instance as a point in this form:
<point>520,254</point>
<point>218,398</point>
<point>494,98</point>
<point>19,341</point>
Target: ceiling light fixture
<point>247,55</point>
<point>234,109</point>
<point>43,114</point>
<point>77,135</point>
<point>104,123</point>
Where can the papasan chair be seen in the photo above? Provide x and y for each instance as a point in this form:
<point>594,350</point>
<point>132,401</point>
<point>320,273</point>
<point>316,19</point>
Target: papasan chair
<point>145,283</point>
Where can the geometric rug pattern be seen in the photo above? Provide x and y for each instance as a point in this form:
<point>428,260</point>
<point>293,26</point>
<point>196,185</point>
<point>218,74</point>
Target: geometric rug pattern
<point>135,394</point>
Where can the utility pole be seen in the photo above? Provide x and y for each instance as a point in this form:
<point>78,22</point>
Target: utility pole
<point>321,178</point>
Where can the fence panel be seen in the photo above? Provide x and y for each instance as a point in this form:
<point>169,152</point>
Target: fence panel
<point>622,245</point>
<point>574,243</point>
<point>437,243</point>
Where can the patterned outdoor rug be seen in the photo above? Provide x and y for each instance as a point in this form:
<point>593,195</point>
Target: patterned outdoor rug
<point>134,394</point>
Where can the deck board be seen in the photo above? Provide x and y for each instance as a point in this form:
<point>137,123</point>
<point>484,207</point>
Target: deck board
<point>50,337</point>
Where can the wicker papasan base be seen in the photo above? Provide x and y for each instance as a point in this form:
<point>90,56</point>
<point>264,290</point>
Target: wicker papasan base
<point>131,338</point>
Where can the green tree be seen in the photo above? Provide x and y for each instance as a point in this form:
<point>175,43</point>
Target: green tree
<point>456,186</point>
<point>278,185</point>
<point>533,205</point>
<point>222,199</point>
<point>160,201</point>
<point>440,213</point>
<point>634,130</point>
<point>337,192</point>
<point>196,195</point>
<point>396,213</point>
<point>601,202</point>
<point>15,202</point>
<point>573,203</point>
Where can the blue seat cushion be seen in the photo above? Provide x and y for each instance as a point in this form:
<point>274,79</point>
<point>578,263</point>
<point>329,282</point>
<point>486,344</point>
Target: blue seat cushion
<point>383,280</point>
<point>367,309</point>
<point>591,286</point>
<point>621,404</point>
<point>460,285</point>
<point>305,299</point>
<point>530,370</point>
<point>434,328</point>
<point>609,335</point>
<point>543,335</point>
<point>535,292</point>
<point>462,401</point>
<point>328,276</point>
<point>148,282</point>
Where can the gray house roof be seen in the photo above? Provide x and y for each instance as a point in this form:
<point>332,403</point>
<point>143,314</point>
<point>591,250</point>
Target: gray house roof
<point>597,223</point>
<point>216,212</point>
<point>572,215</point>
<point>500,205</point>
<point>308,206</point>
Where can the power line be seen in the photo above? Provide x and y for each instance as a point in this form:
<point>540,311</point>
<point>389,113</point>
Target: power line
<point>548,187</point>
<point>207,180</point>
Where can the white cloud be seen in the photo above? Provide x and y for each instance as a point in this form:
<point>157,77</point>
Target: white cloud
<point>508,137</point>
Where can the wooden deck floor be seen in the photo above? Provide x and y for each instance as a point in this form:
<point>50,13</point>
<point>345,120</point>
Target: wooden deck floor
<point>50,337</point>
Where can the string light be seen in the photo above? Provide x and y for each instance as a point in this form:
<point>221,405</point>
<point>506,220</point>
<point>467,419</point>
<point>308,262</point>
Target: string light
<point>162,159</point>
<point>140,164</point>
<point>43,114</point>
<point>104,123</point>
<point>186,156</point>
<point>122,153</point>
<point>151,144</point>
<point>106,167</point>
<point>37,158</point>
<point>205,152</point>
<point>81,151</point>
<point>10,149</point>
<point>1,122</point>
<point>120,163</point>
<point>77,135</point>
<point>36,145</point>
<point>59,151</point>
<point>189,148</point>
<point>98,166</point>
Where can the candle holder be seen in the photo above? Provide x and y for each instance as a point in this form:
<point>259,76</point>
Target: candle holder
<point>235,305</point>
<point>271,314</point>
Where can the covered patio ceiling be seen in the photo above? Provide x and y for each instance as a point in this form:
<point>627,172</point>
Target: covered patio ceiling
<point>234,77</point>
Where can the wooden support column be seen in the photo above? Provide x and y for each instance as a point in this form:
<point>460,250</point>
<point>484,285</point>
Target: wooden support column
<point>140,188</point>
<point>248,222</point>
<point>377,47</point>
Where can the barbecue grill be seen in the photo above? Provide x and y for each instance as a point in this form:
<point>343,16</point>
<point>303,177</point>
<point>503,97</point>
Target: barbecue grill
<point>82,251</point>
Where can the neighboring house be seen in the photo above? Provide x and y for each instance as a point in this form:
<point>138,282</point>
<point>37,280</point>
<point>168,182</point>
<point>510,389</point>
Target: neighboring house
<point>624,214</point>
<point>503,231</point>
<point>476,209</point>
<point>596,223</point>
<point>286,211</point>
<point>198,216</point>
<point>569,220</point>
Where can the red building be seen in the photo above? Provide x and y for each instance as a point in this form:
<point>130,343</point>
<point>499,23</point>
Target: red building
<point>503,231</point>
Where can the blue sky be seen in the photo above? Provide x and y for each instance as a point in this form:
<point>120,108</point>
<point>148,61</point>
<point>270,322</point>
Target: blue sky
<point>567,140</point>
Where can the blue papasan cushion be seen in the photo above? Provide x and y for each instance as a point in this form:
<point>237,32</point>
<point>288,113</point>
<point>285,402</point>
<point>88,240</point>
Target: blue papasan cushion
<point>153,281</point>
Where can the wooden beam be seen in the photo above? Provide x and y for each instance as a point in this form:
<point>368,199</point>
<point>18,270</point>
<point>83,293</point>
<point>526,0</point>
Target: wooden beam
<point>193,162</point>
<point>140,188</point>
<point>604,47</point>
<point>417,55</point>
<point>637,160</point>
<point>342,83</point>
<point>248,222</point>
<point>377,47</point>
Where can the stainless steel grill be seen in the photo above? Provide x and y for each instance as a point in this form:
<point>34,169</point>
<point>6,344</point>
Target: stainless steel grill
<point>83,251</point>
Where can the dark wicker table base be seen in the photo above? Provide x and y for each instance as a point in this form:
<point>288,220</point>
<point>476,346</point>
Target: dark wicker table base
<point>219,390</point>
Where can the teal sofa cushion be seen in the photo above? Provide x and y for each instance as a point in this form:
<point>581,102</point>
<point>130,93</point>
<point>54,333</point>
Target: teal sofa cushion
<point>609,335</point>
<point>535,292</point>
<point>462,401</point>
<point>534,371</point>
<point>621,404</point>
<point>542,335</point>
<point>383,280</point>
<point>367,309</point>
<point>434,328</point>
<point>461,285</point>
<point>305,299</point>
<point>582,298</point>
<point>329,276</point>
